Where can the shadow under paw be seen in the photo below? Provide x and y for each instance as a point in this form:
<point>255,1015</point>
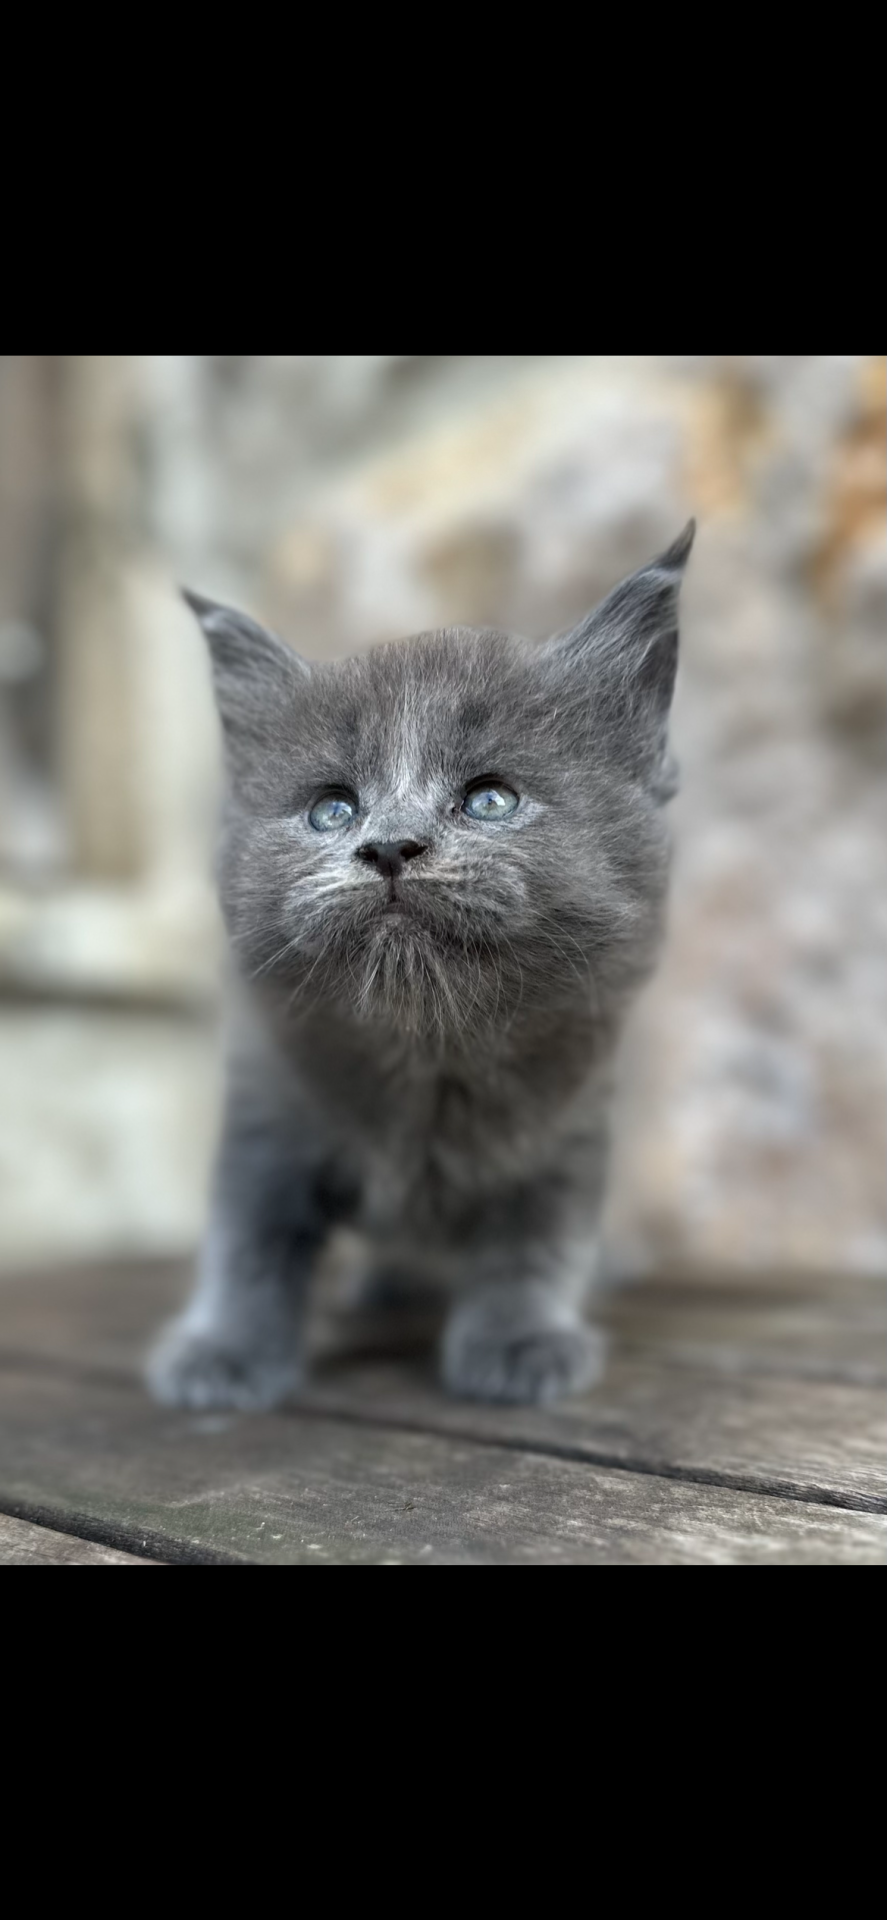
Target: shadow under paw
<point>191,1370</point>
<point>529,1366</point>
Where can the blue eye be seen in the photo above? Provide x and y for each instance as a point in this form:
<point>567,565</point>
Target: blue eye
<point>332,811</point>
<point>489,803</point>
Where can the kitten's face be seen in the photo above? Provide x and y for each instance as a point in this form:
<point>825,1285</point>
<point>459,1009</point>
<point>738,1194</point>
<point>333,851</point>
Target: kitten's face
<point>450,829</point>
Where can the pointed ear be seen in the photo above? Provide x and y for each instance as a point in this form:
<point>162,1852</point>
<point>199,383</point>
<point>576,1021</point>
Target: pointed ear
<point>623,659</point>
<point>253,674</point>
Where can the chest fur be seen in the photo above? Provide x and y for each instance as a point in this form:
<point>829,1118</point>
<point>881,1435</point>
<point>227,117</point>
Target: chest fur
<point>432,1138</point>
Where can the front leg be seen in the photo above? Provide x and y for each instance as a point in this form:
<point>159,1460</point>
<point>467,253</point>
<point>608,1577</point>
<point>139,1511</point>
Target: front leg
<point>518,1333</point>
<point>238,1342</point>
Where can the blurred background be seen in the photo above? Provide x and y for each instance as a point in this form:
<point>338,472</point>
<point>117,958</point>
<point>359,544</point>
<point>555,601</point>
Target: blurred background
<point>347,499</point>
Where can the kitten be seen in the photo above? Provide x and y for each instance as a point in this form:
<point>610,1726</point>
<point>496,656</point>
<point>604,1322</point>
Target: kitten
<point>443,871</point>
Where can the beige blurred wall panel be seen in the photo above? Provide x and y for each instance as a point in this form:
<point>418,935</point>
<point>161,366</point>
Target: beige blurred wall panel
<point>102,539</point>
<point>28,384</point>
<point>106,1131</point>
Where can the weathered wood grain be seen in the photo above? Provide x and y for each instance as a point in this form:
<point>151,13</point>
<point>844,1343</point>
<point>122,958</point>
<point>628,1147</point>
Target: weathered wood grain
<point>670,1402</point>
<point>812,1328</point>
<point>731,1420</point>
<point>809,1439</point>
<point>24,1545</point>
<point>293,1489</point>
<point>97,1316</point>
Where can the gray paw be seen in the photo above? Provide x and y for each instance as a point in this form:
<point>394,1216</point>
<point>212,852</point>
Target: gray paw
<point>190,1369</point>
<point>529,1361</point>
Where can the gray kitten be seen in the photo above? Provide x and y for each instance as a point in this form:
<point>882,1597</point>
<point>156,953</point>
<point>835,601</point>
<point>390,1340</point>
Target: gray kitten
<point>443,871</point>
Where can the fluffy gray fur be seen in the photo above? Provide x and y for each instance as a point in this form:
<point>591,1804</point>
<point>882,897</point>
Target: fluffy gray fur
<point>428,1056</point>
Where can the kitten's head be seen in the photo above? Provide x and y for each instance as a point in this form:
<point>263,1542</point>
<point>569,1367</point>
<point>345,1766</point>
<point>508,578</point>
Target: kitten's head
<point>451,830</point>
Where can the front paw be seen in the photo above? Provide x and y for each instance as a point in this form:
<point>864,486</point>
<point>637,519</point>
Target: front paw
<point>192,1369</point>
<point>506,1351</point>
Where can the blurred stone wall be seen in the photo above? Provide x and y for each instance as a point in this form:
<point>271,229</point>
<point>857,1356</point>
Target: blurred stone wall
<point>351,499</point>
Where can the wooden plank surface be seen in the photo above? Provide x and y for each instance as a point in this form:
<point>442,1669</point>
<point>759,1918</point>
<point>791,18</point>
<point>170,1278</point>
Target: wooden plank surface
<point>811,1329</point>
<point>777,1429</point>
<point>730,1421</point>
<point>807,1328</point>
<point>292,1489</point>
<point>813,1440</point>
<point>25,1545</point>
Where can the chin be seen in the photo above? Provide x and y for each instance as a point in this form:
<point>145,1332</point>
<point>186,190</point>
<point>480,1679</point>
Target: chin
<point>400,964</point>
<point>419,965</point>
<point>408,974</point>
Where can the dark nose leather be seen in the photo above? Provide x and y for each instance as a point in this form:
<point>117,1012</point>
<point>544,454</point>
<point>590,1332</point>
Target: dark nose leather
<point>388,856</point>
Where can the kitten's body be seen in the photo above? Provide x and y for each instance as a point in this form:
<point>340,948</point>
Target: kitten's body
<point>423,1048</point>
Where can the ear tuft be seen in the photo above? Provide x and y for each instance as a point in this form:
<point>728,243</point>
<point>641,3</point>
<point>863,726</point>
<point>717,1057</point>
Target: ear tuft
<point>675,557</point>
<point>254,674</point>
<point>621,661</point>
<point>219,621</point>
<point>198,604</point>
